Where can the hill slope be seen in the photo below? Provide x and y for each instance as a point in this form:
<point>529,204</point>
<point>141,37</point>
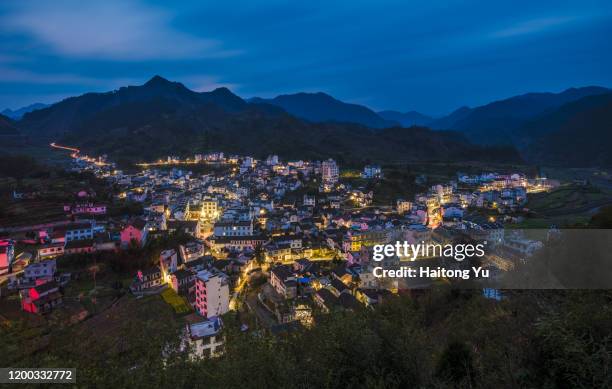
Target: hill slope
<point>577,134</point>
<point>495,122</point>
<point>406,119</point>
<point>159,118</point>
<point>7,127</point>
<point>18,113</point>
<point>67,115</point>
<point>320,107</point>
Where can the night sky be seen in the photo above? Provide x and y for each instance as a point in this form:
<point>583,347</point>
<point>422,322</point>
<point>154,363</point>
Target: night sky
<point>429,56</point>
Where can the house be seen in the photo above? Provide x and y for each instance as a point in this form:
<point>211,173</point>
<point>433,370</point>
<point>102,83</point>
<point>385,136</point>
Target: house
<point>44,270</point>
<point>7,255</point>
<point>136,231</point>
<point>41,298</point>
<point>212,293</point>
<point>191,227</point>
<point>368,297</point>
<point>341,273</point>
<point>103,242</point>
<point>338,287</point>
<point>168,263</point>
<point>330,172</point>
<point>50,250</point>
<point>233,228</point>
<point>204,338</point>
<point>191,251</point>
<point>238,243</point>
<point>403,206</point>
<point>372,171</point>
<point>309,201</point>
<point>79,246</point>
<point>86,208</point>
<point>147,279</point>
<point>183,281</point>
<point>325,299</point>
<point>283,281</point>
<point>73,231</point>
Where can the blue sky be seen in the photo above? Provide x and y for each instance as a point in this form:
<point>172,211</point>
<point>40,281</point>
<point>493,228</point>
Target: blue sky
<point>431,56</point>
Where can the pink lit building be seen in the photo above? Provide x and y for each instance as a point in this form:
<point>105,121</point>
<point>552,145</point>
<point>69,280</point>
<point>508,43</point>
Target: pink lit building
<point>212,293</point>
<point>135,231</point>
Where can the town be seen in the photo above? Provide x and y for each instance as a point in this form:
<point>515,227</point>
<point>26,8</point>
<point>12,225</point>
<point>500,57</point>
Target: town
<point>280,240</point>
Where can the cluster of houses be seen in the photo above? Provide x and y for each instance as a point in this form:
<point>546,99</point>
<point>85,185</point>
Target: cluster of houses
<point>296,220</point>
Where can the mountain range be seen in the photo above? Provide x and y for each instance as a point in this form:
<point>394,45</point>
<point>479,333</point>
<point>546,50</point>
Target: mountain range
<point>163,117</point>
<point>406,119</point>
<point>494,122</point>
<point>160,117</point>
<point>18,113</point>
<point>7,127</point>
<point>320,107</point>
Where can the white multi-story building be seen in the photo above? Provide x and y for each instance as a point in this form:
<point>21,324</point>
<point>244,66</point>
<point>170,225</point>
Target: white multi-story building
<point>204,338</point>
<point>234,228</point>
<point>330,171</point>
<point>212,293</point>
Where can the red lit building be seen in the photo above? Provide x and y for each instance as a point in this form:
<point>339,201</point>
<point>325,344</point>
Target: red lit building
<point>41,298</point>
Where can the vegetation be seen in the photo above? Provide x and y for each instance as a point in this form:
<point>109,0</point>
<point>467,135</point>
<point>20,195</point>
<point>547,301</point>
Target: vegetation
<point>177,302</point>
<point>603,218</point>
<point>444,338</point>
<point>569,206</point>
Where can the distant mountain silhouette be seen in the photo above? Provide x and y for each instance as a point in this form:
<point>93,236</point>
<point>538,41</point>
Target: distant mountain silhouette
<point>494,123</point>
<point>320,107</point>
<point>7,126</point>
<point>69,113</point>
<point>577,134</point>
<point>18,113</point>
<point>159,118</point>
<point>406,119</point>
<point>449,121</point>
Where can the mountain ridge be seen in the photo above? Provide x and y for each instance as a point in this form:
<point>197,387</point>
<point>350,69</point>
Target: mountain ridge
<point>320,107</point>
<point>19,112</point>
<point>160,117</point>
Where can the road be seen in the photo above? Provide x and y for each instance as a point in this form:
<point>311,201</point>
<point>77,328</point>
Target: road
<point>74,150</point>
<point>264,317</point>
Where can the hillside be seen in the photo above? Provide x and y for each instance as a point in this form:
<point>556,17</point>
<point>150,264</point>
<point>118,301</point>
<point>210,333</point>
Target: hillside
<point>449,121</point>
<point>577,134</point>
<point>7,127</point>
<point>67,115</point>
<point>143,123</point>
<point>137,137</point>
<point>494,123</point>
<point>320,107</point>
<point>406,119</point>
<point>18,113</point>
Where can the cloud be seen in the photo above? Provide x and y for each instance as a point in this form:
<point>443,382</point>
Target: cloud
<point>111,30</point>
<point>8,74</point>
<point>532,26</point>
